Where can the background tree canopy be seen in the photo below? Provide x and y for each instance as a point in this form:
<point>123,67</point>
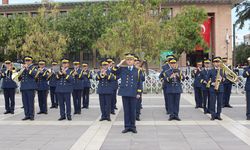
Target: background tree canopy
<point>113,28</point>
<point>142,29</point>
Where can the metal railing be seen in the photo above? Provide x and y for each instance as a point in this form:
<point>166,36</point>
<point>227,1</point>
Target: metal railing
<point>153,85</point>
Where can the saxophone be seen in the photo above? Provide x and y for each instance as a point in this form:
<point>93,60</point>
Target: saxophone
<point>217,80</point>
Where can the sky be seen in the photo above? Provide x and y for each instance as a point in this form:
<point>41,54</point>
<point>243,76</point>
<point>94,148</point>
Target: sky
<point>239,33</point>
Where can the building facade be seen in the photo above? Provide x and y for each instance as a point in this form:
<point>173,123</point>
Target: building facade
<point>219,15</point>
<point>247,39</point>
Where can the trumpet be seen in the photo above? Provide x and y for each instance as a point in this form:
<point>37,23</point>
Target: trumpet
<point>16,75</point>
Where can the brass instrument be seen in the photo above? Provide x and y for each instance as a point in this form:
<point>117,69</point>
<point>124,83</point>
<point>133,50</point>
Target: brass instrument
<point>217,80</point>
<point>230,75</point>
<point>37,74</point>
<point>16,75</point>
<point>208,84</point>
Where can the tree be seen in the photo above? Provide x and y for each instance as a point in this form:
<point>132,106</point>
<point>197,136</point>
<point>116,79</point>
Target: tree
<point>242,53</point>
<point>139,27</point>
<point>243,13</point>
<point>17,31</point>
<point>4,34</point>
<point>136,28</point>
<point>187,29</point>
<point>42,41</point>
<point>83,26</point>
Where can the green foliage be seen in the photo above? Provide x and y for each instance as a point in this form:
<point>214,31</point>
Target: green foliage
<point>17,30</point>
<point>243,13</point>
<point>187,30</point>
<point>140,28</point>
<point>83,25</point>
<point>4,32</point>
<point>135,28</point>
<point>43,42</point>
<point>242,53</point>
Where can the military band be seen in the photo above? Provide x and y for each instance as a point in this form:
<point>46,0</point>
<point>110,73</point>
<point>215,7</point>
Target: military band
<point>196,74</point>
<point>28,86</point>
<point>212,87</point>
<point>87,76</point>
<point>64,88</point>
<point>227,88</point>
<point>52,85</point>
<point>246,74</point>
<point>42,87</point>
<point>9,87</point>
<point>165,67</point>
<point>77,87</point>
<point>205,86</point>
<point>105,90</point>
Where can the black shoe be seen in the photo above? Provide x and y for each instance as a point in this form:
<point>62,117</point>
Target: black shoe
<point>177,118</point>
<point>170,119</point>
<point>75,113</point>
<point>45,113</point>
<point>113,113</point>
<point>22,107</point>
<point>52,107</point>
<point>79,113</point>
<point>108,119</point>
<point>133,130</point>
<point>40,113</point>
<point>248,118</point>
<point>102,119</point>
<point>26,118</point>
<point>69,118</point>
<point>228,106</point>
<point>196,107</point>
<point>56,107</point>
<point>219,118</point>
<point>61,118</point>
<point>116,108</point>
<point>138,119</point>
<point>12,112</point>
<point>213,118</point>
<point>31,118</point>
<point>6,112</point>
<point>125,130</point>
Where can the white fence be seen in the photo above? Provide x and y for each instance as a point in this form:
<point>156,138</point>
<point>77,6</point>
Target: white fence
<point>153,85</point>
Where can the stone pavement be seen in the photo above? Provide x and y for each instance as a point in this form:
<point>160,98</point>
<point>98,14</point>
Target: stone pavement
<point>195,131</point>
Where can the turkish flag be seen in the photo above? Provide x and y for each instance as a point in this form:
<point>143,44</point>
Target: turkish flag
<point>205,33</point>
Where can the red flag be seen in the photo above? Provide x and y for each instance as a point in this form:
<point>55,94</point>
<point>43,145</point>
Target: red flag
<point>205,33</point>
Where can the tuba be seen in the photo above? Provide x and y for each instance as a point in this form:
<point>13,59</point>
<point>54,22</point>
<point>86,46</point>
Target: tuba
<point>230,75</point>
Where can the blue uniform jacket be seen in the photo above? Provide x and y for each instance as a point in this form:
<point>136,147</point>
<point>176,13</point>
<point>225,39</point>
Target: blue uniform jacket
<point>78,80</point>
<point>165,67</point>
<point>27,78</point>
<point>197,78</point>
<point>7,82</point>
<point>212,76</point>
<point>246,74</point>
<point>42,82</point>
<point>130,81</point>
<point>114,82</point>
<point>105,83</point>
<point>173,85</point>
<point>86,79</point>
<point>204,78</point>
<point>65,82</point>
<point>53,80</point>
<point>162,75</point>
